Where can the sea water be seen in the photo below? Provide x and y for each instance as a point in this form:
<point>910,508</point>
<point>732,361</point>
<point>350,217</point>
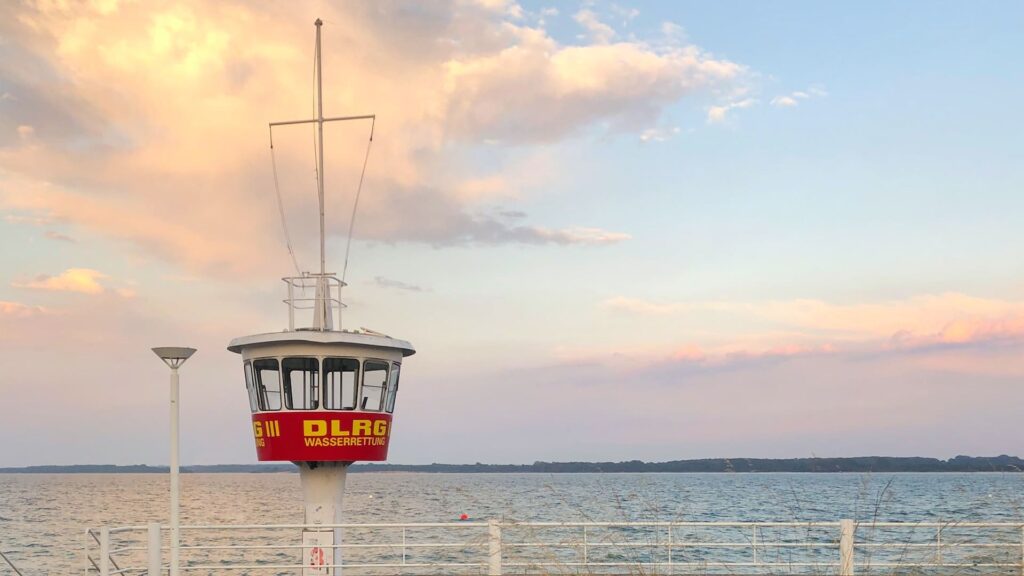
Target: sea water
<point>43,517</point>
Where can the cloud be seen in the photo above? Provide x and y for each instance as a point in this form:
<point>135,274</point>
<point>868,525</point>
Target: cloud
<point>134,107</point>
<point>582,236</point>
<point>19,310</point>
<point>80,280</point>
<point>397,285</point>
<point>718,114</point>
<point>539,91</point>
<point>919,321</point>
<point>658,134</point>
<point>794,98</point>
<point>25,131</point>
<point>30,219</point>
<point>784,101</point>
<point>598,31</point>
<point>504,7</point>
<point>53,235</point>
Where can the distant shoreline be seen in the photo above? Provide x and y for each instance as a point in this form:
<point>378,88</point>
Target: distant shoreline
<point>864,464</point>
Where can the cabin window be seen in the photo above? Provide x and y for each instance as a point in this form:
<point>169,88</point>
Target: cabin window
<point>340,378</point>
<point>300,383</point>
<point>268,383</point>
<point>389,403</point>
<point>250,387</point>
<point>375,383</point>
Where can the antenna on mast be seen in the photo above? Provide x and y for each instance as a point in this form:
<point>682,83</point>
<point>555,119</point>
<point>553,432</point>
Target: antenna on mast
<point>323,315</point>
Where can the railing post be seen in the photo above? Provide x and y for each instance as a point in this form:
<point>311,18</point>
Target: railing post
<point>846,532</point>
<point>1022,550</point>
<point>154,550</point>
<point>494,548</point>
<point>104,551</point>
<point>586,553</point>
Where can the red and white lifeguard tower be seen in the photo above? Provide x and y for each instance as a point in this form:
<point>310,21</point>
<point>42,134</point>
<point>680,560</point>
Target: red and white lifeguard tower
<point>321,396</point>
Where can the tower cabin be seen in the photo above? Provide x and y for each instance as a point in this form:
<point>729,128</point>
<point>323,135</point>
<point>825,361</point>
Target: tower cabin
<point>317,394</point>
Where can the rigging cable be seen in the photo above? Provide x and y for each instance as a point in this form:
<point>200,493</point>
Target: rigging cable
<point>280,205</point>
<point>355,204</point>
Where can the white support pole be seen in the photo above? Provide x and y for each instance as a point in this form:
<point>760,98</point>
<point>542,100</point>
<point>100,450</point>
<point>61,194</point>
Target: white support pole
<point>493,548</point>
<point>175,505</point>
<point>104,551</point>
<point>846,534</point>
<point>323,490</point>
<point>153,553</point>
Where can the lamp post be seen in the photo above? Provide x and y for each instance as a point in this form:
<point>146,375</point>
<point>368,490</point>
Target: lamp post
<point>174,357</point>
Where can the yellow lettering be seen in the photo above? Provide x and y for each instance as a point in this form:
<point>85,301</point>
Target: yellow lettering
<point>336,429</point>
<point>314,428</point>
<point>257,429</point>
<point>360,427</point>
<point>380,427</point>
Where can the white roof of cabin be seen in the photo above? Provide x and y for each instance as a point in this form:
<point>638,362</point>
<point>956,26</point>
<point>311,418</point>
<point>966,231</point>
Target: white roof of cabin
<point>322,337</point>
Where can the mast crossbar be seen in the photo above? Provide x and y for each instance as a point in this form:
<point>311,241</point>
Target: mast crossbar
<point>312,120</point>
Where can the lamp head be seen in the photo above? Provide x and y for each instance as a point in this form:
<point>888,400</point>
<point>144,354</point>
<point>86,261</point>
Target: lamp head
<point>174,356</point>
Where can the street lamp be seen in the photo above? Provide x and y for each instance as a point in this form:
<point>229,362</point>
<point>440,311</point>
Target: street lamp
<point>174,357</point>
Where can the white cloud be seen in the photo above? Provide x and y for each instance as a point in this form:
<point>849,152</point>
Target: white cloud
<point>658,134</point>
<point>584,235</point>
<point>794,98</point>
<point>784,101</point>
<point>398,285</point>
<point>718,114</point>
<point>598,31</point>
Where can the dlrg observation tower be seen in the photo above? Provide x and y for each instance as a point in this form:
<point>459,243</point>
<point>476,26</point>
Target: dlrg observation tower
<point>321,396</point>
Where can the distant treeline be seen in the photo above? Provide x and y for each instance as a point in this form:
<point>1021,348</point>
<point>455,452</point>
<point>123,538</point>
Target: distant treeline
<point>860,464</point>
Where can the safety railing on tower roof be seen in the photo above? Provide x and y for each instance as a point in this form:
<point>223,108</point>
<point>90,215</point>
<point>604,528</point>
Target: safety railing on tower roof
<point>317,295</point>
<point>496,547</point>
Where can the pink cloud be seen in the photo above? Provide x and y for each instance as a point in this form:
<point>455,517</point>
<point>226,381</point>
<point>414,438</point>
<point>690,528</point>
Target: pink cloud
<point>153,119</point>
<point>19,310</point>
<point>81,280</point>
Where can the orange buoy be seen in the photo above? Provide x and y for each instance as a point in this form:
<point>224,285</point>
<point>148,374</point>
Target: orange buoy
<point>464,517</point>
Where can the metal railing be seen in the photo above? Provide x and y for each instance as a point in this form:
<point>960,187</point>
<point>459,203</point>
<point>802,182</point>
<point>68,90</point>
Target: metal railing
<point>496,547</point>
<point>315,293</point>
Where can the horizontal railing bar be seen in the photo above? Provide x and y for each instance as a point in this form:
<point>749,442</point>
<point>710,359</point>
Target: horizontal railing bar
<point>662,564</point>
<point>590,544</point>
<point>938,565</point>
<point>934,545</point>
<point>667,523</point>
<point>512,525</point>
<point>292,566</point>
<point>942,524</point>
<point>336,546</point>
<point>327,527</point>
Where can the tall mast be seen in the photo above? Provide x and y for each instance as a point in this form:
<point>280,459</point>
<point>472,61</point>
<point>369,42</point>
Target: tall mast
<point>320,144</point>
<point>323,302</point>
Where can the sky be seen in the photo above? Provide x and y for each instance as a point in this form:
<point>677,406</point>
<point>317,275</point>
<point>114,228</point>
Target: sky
<point>612,230</point>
